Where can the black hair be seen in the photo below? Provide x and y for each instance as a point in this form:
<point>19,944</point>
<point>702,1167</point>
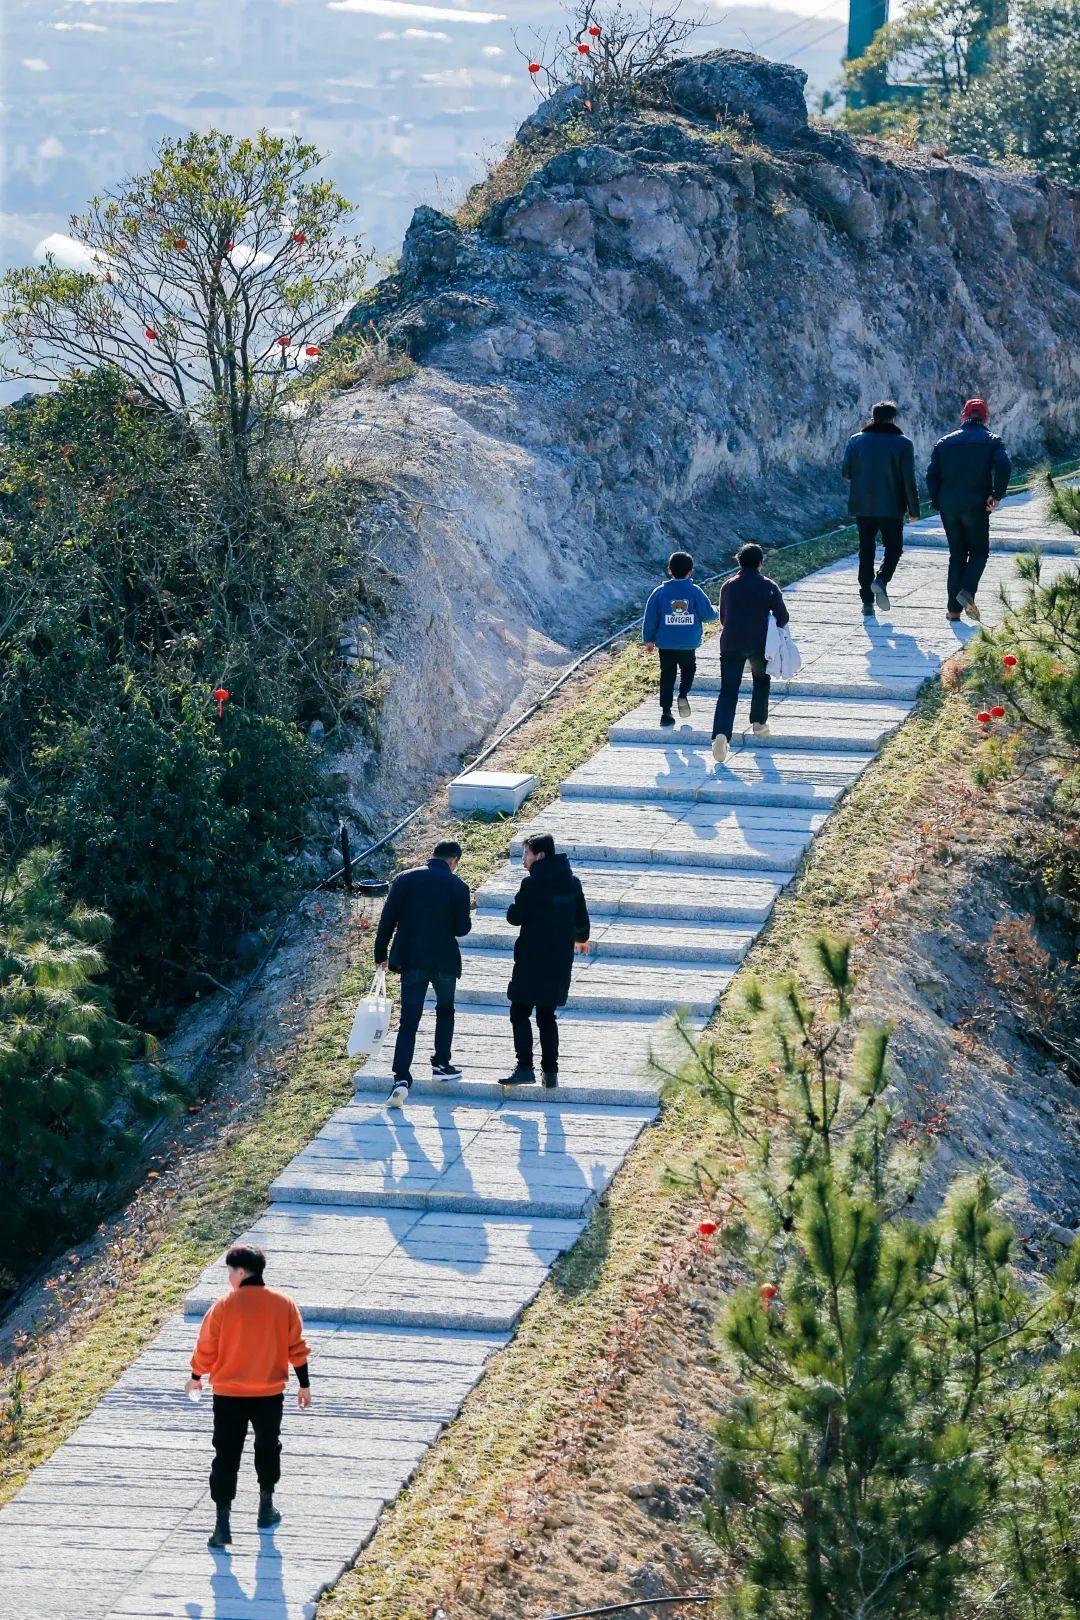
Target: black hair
<point>750,555</point>
<point>447,849</point>
<point>884,410</point>
<point>680,565</point>
<point>245,1257</point>
<point>540,844</point>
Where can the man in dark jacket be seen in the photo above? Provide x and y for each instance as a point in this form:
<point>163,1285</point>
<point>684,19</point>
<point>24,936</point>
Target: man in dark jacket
<point>550,910</point>
<point>879,462</point>
<point>746,600</point>
<point>967,477</point>
<point>426,913</point>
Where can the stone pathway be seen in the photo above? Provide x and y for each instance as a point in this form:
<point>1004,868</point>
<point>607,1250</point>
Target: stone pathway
<point>413,1241</point>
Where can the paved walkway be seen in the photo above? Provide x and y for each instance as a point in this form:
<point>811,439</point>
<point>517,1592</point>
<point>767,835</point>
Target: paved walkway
<point>414,1241</point>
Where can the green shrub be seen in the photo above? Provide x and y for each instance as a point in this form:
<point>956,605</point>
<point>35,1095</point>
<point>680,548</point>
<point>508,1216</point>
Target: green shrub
<point>70,1099</point>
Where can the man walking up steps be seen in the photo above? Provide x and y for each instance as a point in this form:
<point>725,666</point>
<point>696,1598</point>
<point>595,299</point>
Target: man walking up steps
<point>246,1344</point>
<point>550,911</point>
<point>967,477</point>
<point>879,463</point>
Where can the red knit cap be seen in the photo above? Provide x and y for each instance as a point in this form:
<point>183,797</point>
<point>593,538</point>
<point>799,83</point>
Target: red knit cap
<point>974,409</point>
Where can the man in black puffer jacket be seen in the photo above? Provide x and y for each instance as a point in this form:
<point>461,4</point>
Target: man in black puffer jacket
<point>551,912</point>
<point>879,463</point>
<point>967,477</point>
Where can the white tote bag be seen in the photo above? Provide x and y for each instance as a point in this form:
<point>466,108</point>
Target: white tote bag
<point>781,654</point>
<point>372,1018</point>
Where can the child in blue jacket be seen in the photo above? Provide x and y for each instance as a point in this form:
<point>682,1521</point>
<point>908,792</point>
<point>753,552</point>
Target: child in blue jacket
<point>674,615</point>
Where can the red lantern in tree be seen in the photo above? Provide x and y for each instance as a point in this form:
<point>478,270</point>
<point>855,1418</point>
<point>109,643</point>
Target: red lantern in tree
<point>707,1228</point>
<point>1009,660</point>
<point>180,244</point>
<point>229,246</point>
<point>220,697</point>
<point>998,712</point>
<point>298,236</point>
<point>283,341</point>
<point>983,717</point>
<point>768,1292</point>
<point>583,49</point>
<point>151,335</point>
<point>594,31</point>
<point>534,67</point>
<point>313,350</point>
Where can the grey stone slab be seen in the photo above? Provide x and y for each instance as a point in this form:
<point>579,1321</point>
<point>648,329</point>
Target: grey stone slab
<point>615,888</point>
<point>666,940</point>
<point>605,984</point>
<point>674,770</point>
<point>747,837</point>
<point>849,725</point>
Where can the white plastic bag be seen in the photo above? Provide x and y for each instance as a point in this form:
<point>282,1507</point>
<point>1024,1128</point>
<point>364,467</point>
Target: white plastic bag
<point>781,654</point>
<point>372,1018</point>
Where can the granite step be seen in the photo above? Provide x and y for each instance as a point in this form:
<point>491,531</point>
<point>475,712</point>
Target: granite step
<point>673,770</point>
<point>630,985</point>
<point>749,837</point>
<point>617,888</point>
<point>636,938</point>
<point>834,725</point>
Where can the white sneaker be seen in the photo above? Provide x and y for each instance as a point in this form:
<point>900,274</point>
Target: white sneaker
<point>684,708</point>
<point>398,1093</point>
<point>720,747</point>
<point>762,730</point>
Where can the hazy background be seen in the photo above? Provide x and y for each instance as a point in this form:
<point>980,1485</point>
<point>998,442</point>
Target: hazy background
<point>408,98</point>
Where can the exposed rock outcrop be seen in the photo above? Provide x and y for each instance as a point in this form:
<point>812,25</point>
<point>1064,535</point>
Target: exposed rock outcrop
<point>665,337</point>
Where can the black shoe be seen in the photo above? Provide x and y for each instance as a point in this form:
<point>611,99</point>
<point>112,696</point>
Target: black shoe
<point>667,718</point>
<point>268,1513</point>
<point>868,610</point>
<point>221,1534</point>
<point>445,1071</point>
<point>684,707</point>
<point>520,1077</point>
<point>399,1090</point>
<point>549,1078</point>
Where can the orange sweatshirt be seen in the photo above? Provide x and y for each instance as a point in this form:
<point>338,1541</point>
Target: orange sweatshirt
<point>247,1341</point>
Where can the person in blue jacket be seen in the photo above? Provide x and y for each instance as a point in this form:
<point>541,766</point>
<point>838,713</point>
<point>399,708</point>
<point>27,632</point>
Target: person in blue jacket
<point>967,479</point>
<point>674,616</point>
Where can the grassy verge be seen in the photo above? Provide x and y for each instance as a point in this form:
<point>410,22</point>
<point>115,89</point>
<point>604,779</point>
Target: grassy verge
<point>426,1539</point>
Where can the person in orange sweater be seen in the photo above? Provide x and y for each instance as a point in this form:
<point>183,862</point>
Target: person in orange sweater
<point>246,1344</point>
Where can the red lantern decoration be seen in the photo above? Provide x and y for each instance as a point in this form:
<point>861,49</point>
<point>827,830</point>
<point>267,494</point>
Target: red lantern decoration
<point>707,1228</point>
<point>220,697</point>
<point>1009,660</point>
<point>283,342</point>
<point>594,31</point>
<point>983,717</point>
<point>534,67</point>
<point>298,236</point>
<point>768,1292</point>
<point>998,712</point>
<point>583,49</point>
<point>151,335</point>
<point>229,246</point>
<point>313,350</point>
<point>180,244</point>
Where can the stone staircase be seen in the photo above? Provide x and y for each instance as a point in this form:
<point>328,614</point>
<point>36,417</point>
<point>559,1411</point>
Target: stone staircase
<point>413,1241</point>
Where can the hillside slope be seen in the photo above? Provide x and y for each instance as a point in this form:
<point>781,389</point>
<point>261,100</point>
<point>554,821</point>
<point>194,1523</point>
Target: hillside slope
<point>664,337</point>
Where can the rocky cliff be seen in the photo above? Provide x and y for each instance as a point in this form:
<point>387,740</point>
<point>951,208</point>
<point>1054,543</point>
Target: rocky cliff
<point>663,335</point>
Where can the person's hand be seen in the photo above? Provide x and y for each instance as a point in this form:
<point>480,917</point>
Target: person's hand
<point>192,1384</point>
<point>582,947</point>
<point>650,646</point>
<point>303,1398</point>
<point>992,504</point>
<point>382,966</point>
<point>913,517</point>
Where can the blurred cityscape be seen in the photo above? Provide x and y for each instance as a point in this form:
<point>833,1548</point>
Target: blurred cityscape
<point>407,99</point>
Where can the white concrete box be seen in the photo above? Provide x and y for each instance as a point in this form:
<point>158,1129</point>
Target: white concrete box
<point>492,790</point>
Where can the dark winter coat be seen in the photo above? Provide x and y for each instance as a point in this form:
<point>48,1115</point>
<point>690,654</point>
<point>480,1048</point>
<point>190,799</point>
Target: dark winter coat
<point>746,600</point>
<point>550,910</point>
<point>880,463</point>
<point>966,468</point>
<point>426,913</point>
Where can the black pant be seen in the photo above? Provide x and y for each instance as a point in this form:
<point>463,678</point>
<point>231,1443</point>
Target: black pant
<point>414,987</point>
<point>232,1414</point>
<point>968,534</point>
<point>548,1026</point>
<point>891,530</point>
<point>731,674</point>
<point>683,659</point>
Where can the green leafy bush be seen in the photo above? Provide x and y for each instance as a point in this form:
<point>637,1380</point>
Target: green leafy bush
<point>70,1098</point>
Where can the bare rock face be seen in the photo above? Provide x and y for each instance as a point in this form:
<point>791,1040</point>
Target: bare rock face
<point>664,339</point>
<point>730,85</point>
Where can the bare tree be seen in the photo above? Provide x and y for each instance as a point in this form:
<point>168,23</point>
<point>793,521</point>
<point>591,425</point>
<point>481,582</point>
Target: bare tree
<point>607,50</point>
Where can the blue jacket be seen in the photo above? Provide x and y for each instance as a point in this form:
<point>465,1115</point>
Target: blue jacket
<point>966,468</point>
<point>675,613</point>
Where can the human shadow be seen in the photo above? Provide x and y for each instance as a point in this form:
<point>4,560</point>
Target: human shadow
<point>230,1601</point>
<point>451,1178</point>
<point>556,1180</point>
